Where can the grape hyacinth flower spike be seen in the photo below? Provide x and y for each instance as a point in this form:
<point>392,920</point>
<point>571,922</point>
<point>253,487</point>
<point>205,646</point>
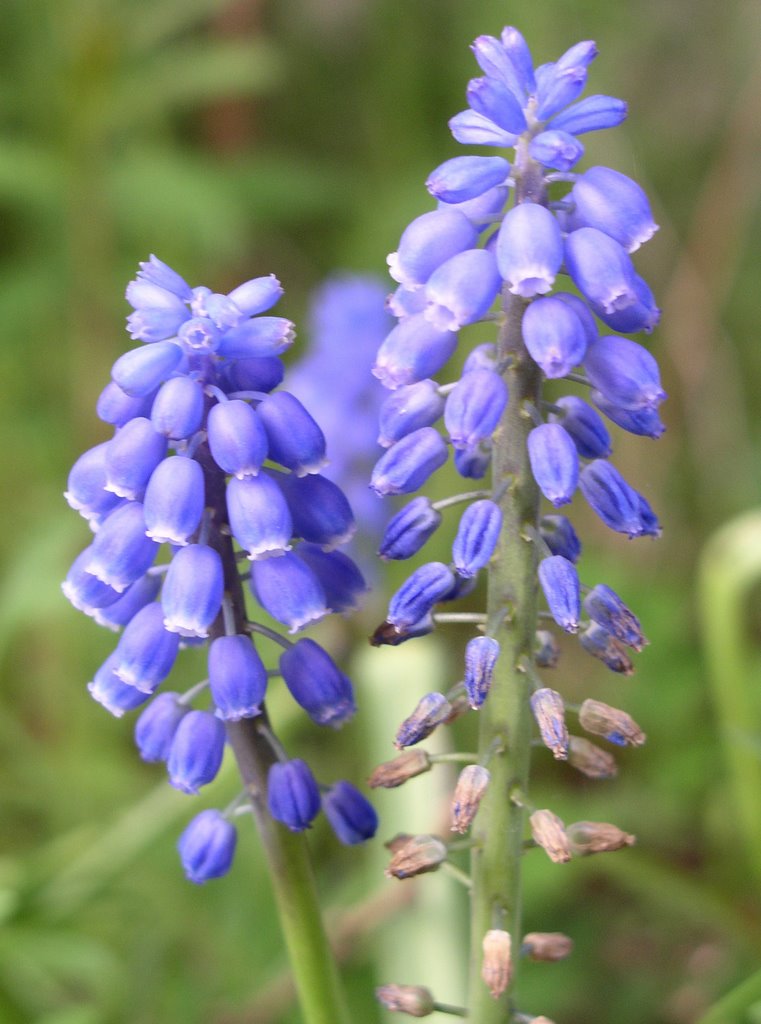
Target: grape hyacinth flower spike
<point>213,469</point>
<point>542,250</point>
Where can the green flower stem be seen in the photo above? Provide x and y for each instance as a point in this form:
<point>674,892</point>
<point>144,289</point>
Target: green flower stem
<point>505,719</point>
<point>314,968</point>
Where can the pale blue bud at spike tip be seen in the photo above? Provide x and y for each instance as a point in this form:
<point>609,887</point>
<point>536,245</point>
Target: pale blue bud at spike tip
<point>237,678</point>
<point>467,177</point>
<point>195,754</point>
<point>207,847</point>
<point>141,593</point>
<point>157,724</point>
<point>121,552</point>
<point>517,50</point>
<point>295,440</point>
<point>560,584</point>
<point>351,815</point>
<point>260,519</point>
<point>141,370</point>
<point>289,590</point>
<point>117,407</point>
<point>262,336</point>
<point>146,650</point>
<point>177,410</point>
<point>462,290</point>
<point>174,501</point>
<point>409,529</point>
<point>558,150</point>
<point>474,407</point>
<point>554,462</point>
<point>200,334</point>
<point>558,534</point>
<point>192,593</point>
<point>415,349</point>
<point>625,372</point>
<point>110,692</point>
<point>319,509</point>
<point>428,242</point>
<point>409,408</point>
<point>481,656</point>
<point>477,537</point>
<point>428,585</point>
<point>317,684</point>
<point>606,608</point>
<point>529,250</point>
<point>494,100</point>
<point>494,59</point>
<point>257,295</point>
<point>155,271</point>
<point>601,269</point>
<point>473,129</point>
<point>617,503</point>
<point>339,576</point>
<point>642,422</point>
<point>562,81</point>
<point>591,114</point>
<point>154,325</point>
<point>293,796</point>
<point>554,335</point>
<point>585,428</point>
<point>408,464</point>
<point>431,711</point>
<point>608,200</point>
<point>237,438</point>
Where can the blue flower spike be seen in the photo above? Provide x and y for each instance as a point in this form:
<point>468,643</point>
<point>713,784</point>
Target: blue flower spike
<point>209,458</point>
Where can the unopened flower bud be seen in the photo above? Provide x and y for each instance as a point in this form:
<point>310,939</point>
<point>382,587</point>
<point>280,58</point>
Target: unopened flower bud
<point>414,1000</point>
<point>600,644</point>
<point>497,964</point>
<point>591,760</point>
<point>481,656</point>
<point>393,773</point>
<point>549,832</point>
<point>469,791</point>
<point>431,711</point>
<point>615,725</point>
<point>547,946</point>
<point>587,837</point>
<point>416,855</point>
<point>607,609</point>
<point>549,711</point>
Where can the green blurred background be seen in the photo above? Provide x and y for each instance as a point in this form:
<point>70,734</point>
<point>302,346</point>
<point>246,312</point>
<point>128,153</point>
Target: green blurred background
<point>237,139</point>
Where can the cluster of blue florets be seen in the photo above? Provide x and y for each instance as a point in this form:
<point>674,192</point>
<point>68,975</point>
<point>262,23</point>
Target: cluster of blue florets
<point>204,449</point>
<point>452,266</point>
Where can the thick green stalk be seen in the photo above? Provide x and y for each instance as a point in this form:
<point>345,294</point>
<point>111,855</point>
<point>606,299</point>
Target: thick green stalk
<point>314,968</point>
<point>505,719</point>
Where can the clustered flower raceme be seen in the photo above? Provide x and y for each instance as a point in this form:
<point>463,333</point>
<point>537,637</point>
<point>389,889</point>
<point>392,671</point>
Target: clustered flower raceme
<point>558,256</point>
<point>205,450</point>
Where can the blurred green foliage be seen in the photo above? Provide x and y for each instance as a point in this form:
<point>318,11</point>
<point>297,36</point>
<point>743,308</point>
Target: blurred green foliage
<point>236,139</point>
